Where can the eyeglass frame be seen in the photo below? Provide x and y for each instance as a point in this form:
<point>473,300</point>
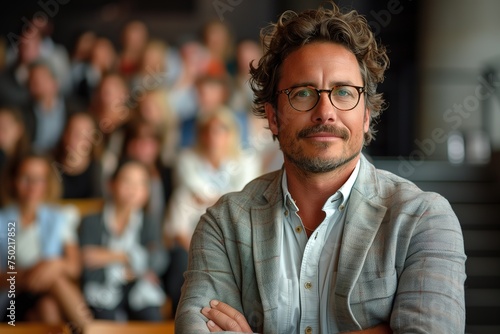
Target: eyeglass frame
<point>287,91</point>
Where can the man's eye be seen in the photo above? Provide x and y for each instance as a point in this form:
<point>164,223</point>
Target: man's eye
<point>303,93</point>
<point>343,92</point>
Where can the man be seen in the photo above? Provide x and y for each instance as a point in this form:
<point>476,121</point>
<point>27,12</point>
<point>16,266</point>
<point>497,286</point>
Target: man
<point>329,243</point>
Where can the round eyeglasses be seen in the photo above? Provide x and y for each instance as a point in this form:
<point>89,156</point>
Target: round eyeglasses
<point>305,98</point>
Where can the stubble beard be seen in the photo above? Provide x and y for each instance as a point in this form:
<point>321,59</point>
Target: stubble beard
<point>317,164</point>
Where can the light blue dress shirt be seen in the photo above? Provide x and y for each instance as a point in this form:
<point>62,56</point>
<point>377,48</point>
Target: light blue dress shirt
<point>308,266</point>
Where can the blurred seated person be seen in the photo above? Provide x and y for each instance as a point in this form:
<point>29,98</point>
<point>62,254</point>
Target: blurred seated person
<point>110,108</point>
<point>13,139</point>
<point>87,74</point>
<point>47,254</point>
<point>182,96</point>
<point>216,37</point>
<point>212,90</point>
<point>83,43</point>
<point>214,166</point>
<point>154,109</point>
<point>77,158</point>
<point>152,72</point>
<point>143,143</point>
<point>266,149</point>
<point>48,111</point>
<point>40,30</point>
<point>14,77</point>
<point>118,247</point>
<point>247,52</point>
<point>134,39</point>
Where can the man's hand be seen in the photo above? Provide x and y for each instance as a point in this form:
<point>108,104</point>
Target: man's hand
<point>222,317</point>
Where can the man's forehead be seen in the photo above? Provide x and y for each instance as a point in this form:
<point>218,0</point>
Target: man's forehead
<point>326,60</point>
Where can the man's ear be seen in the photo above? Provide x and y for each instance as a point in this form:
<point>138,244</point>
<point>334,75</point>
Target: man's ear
<point>272,118</point>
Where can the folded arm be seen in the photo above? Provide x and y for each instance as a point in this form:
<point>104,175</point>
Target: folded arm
<point>430,296</point>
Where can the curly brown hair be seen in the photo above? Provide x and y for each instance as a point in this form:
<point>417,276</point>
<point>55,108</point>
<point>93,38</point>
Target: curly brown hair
<point>293,30</point>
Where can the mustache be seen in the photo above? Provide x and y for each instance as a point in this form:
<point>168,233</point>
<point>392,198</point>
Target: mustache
<point>323,128</point>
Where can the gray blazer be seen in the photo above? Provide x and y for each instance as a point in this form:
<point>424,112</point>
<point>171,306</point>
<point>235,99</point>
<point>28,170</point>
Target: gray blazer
<point>401,261</point>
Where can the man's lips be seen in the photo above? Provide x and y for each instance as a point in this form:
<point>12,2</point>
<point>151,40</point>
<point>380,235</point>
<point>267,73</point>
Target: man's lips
<point>323,136</point>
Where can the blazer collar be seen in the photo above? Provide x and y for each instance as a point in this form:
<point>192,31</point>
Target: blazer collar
<point>267,222</point>
<point>363,218</point>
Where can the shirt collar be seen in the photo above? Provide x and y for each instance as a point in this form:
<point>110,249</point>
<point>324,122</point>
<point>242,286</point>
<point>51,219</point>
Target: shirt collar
<point>338,199</point>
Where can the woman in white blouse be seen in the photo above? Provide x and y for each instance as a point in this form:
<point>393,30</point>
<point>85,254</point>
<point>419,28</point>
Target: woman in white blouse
<point>214,166</point>
<point>120,247</point>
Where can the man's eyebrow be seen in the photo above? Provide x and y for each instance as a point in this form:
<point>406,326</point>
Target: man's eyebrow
<point>331,84</point>
<point>341,83</point>
<point>303,84</point>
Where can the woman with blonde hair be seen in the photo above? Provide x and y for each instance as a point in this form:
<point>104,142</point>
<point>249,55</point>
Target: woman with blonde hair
<point>214,166</point>
<point>47,258</point>
<point>154,109</point>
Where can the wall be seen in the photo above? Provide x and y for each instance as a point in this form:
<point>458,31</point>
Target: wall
<point>457,40</point>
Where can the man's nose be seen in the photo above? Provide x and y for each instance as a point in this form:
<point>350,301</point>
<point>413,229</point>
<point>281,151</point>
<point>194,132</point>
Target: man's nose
<point>325,111</point>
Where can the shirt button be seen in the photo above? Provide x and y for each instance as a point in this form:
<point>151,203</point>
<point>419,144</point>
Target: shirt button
<point>308,285</point>
<point>342,207</point>
<point>308,330</point>
<point>298,229</point>
<point>286,212</point>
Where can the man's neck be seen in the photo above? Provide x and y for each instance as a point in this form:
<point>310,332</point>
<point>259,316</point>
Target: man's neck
<point>311,190</point>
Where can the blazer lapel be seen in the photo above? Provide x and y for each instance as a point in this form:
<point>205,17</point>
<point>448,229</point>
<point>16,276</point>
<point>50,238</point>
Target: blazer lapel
<point>363,219</point>
<point>266,236</point>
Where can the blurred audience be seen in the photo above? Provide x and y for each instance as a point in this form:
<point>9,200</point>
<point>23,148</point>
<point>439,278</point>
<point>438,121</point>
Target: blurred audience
<point>78,158</point>
<point>118,247</point>
<point>47,254</point>
<point>159,132</point>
